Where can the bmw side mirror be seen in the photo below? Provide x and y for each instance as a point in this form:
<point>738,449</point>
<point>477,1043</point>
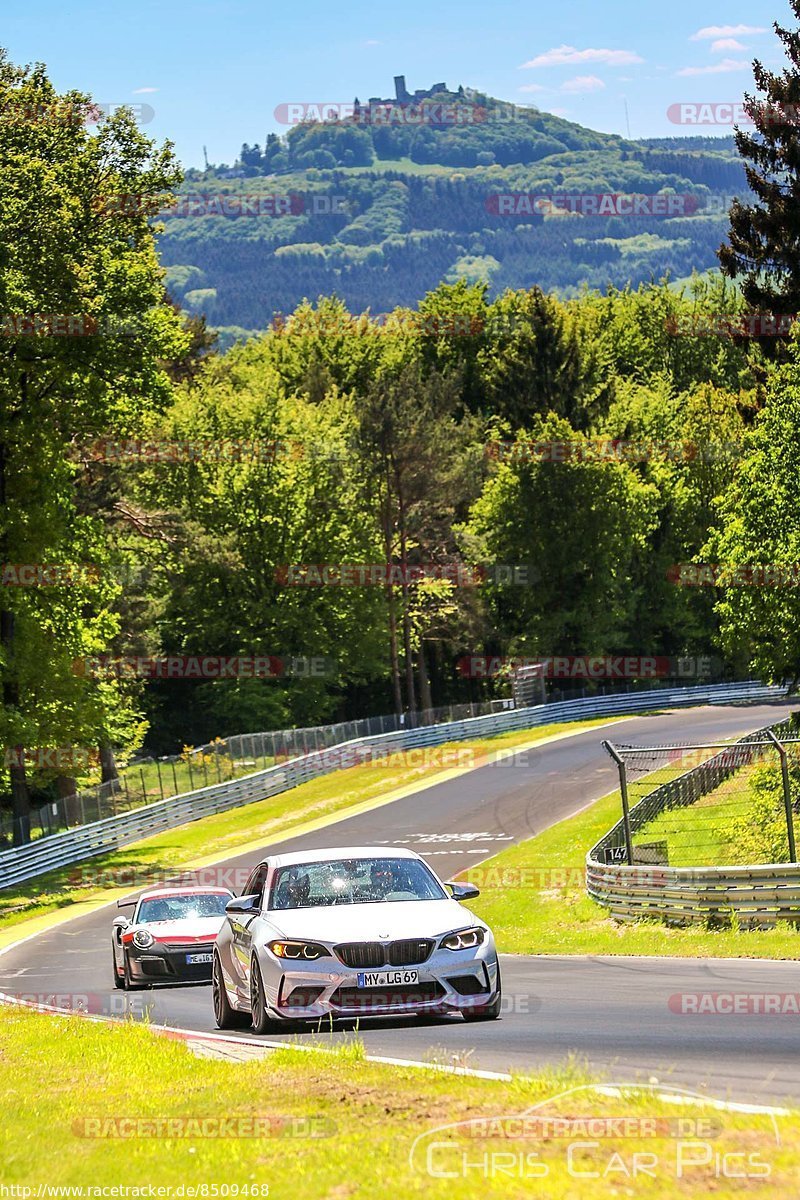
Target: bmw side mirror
<point>243,904</point>
<point>464,891</point>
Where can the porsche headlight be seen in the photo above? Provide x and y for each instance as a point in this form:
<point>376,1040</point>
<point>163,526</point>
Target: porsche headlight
<point>297,950</point>
<point>465,939</point>
<point>143,938</point>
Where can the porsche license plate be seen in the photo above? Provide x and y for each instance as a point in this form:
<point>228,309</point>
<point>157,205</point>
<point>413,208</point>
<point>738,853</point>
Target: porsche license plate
<point>191,959</point>
<point>378,979</point>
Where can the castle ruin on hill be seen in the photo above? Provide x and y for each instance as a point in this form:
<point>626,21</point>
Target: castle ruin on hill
<point>402,96</point>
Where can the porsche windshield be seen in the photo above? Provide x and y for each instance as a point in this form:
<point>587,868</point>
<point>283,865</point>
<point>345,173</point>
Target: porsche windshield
<point>353,881</point>
<point>182,908</point>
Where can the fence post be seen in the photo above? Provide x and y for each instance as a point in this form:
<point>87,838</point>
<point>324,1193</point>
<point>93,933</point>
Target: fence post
<point>787,795</point>
<point>160,784</point>
<point>174,777</point>
<point>144,787</point>
<point>623,788</point>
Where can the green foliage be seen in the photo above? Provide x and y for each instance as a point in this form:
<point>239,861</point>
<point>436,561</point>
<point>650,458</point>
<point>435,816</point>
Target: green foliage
<point>758,523</point>
<point>761,835</point>
<point>577,525</point>
<point>68,255</point>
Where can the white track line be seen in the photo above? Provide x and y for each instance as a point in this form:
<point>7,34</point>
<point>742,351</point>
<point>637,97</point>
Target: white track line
<point>192,1035</point>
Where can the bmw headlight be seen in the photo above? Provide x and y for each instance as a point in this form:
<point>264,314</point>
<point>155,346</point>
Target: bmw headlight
<point>143,938</point>
<point>297,950</point>
<point>465,939</point>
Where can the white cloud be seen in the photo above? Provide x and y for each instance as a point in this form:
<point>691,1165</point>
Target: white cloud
<point>143,91</point>
<point>372,42</point>
<point>559,112</point>
<point>723,44</point>
<point>710,32</point>
<point>583,83</point>
<point>532,87</point>
<point>721,68</point>
<point>568,56</point>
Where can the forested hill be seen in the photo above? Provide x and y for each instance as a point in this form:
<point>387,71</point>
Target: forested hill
<point>379,211</point>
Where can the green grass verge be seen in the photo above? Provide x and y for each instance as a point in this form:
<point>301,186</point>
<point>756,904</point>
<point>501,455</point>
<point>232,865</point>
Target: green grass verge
<point>742,822</point>
<point>216,835</point>
<point>151,781</point>
<point>534,897</point>
<point>703,832</point>
<point>62,1079</point>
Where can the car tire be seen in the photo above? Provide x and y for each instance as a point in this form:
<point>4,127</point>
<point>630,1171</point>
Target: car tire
<point>259,1012</point>
<point>225,1015</point>
<point>119,980</point>
<point>487,1012</point>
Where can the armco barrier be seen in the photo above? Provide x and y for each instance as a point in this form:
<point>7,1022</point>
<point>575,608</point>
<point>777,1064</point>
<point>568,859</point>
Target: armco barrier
<point>758,895</point>
<point>112,833</point>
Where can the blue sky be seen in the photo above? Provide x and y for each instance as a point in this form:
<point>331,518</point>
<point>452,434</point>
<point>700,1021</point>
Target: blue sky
<point>214,73</point>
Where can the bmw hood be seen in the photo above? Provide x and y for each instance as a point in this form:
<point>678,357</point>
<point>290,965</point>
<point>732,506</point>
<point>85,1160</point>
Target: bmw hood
<point>380,922</point>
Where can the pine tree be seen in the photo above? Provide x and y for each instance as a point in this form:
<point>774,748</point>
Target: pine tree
<point>763,250</point>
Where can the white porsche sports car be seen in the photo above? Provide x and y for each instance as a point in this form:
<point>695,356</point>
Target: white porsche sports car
<point>351,933</point>
<point>169,938</point>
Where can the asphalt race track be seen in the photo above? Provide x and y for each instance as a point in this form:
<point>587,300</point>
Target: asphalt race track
<point>613,1012</point>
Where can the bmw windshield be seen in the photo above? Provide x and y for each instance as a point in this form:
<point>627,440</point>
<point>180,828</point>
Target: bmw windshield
<point>353,881</point>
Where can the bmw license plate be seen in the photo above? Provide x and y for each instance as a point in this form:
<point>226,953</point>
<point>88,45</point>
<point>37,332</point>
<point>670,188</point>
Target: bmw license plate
<point>377,979</point>
<point>191,959</point>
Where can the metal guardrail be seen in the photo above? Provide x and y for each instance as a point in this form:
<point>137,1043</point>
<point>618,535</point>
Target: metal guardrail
<point>752,895</point>
<point>112,833</point>
<point>144,779</point>
<point>214,762</point>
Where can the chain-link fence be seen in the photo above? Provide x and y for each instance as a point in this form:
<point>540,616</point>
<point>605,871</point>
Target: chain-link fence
<point>710,804</point>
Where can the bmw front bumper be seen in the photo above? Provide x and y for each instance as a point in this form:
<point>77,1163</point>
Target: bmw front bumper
<point>448,981</point>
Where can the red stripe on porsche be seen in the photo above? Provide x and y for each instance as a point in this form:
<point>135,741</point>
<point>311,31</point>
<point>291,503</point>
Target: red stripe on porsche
<point>175,940</point>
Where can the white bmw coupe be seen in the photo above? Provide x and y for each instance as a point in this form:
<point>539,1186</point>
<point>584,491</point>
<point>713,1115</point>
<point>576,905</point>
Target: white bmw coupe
<point>351,933</point>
